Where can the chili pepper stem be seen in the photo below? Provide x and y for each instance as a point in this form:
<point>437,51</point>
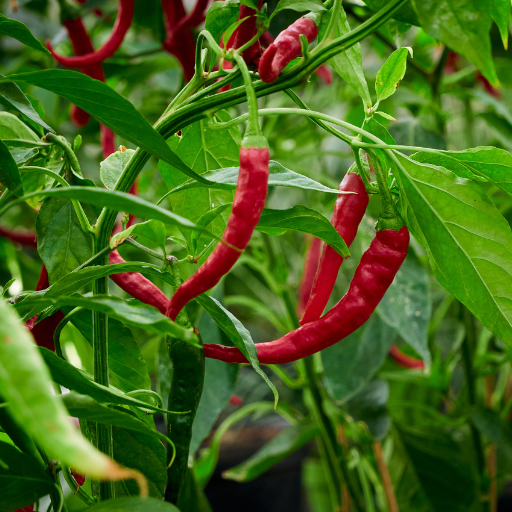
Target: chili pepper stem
<point>333,23</point>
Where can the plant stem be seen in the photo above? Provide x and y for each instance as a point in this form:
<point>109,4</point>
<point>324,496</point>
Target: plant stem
<point>386,478</point>
<point>285,377</point>
<point>68,150</point>
<point>100,363</point>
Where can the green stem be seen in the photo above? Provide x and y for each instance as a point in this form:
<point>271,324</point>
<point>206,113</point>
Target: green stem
<point>68,150</point>
<point>77,489</point>
<point>285,377</point>
<point>155,254</point>
<point>58,330</point>
<point>100,363</point>
<point>333,23</point>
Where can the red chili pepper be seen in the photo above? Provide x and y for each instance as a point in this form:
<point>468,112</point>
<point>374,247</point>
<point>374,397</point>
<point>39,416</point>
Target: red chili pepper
<point>404,360</point>
<point>30,508</point>
<point>250,195</point>
<point>235,400</point>
<point>121,26</point>
<point>26,239</point>
<point>348,213</point>
<point>80,479</point>
<point>308,274</point>
<point>195,17</point>
<point>285,48</point>
<point>373,276</point>
<point>138,286</point>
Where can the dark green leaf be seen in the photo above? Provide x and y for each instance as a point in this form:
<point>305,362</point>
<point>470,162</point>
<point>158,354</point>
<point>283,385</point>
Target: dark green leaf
<point>11,127</point>
<point>284,444</point>
<point>22,480</point>
<point>9,174</point>
<point>303,219</point>
<point>19,31</point>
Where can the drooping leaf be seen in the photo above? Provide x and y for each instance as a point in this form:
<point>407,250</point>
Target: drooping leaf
<point>303,219</point>
<point>9,173</point>
<point>113,166</point>
<point>19,31</point>
<point>468,242</point>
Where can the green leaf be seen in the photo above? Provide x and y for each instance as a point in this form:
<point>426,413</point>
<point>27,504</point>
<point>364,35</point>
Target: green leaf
<point>407,306</point>
<point>391,73</point>
<point>468,242</point>
<point>22,479</point>
<point>279,177</point>
<point>77,380</point>
<point>113,166</point>
<point>489,162</point>
<point>352,363</point>
<point>135,504</point>
<point>12,127</point>
<point>203,149</point>
<point>146,454</point>
<point>348,64</point>
<point>238,334</point>
<point>284,444</point>
<point>500,13</point>
<point>86,408</point>
<point>106,106</point>
<point>299,6</point>
<point>61,243</point>
<point>119,201</point>
<point>152,231</point>
<point>204,222</point>
<point>220,16</point>
<point>19,31</point>
<point>13,95</point>
<point>463,26</point>
<point>303,219</point>
<point>126,363</point>
<point>406,13</point>
<point>9,173</point>
<point>76,280</point>
<point>127,312</point>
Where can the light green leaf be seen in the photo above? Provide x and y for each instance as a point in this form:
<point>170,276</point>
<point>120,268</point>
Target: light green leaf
<point>299,6</point>
<point>152,231</point>
<point>113,166</point>
<point>500,13</point>
<point>220,16</point>
<point>391,73</point>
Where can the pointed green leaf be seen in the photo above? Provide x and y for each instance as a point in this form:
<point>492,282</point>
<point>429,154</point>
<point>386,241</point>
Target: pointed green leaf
<point>19,31</point>
<point>391,73</point>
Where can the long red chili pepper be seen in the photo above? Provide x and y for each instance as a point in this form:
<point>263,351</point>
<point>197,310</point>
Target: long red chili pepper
<point>121,26</point>
<point>308,274</point>
<point>404,360</point>
<point>26,239</point>
<point>373,276</point>
<point>285,48</point>
<point>348,213</point>
<point>195,17</point>
<point>250,195</point>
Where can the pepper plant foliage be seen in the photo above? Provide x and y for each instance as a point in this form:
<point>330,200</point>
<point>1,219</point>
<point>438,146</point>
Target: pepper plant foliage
<point>143,227</point>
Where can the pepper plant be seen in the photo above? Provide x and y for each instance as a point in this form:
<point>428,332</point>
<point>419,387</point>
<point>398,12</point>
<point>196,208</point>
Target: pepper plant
<point>209,216</point>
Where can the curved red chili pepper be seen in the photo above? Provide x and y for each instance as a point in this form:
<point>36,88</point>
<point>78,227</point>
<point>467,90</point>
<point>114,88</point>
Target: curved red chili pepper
<point>373,276</point>
<point>285,48</point>
<point>195,17</point>
<point>348,213</point>
<point>250,195</point>
<point>121,26</point>
<point>26,239</point>
<point>308,274</point>
<point>404,360</point>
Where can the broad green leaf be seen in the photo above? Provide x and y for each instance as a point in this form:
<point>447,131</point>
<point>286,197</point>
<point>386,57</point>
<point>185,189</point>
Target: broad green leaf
<point>84,407</point>
<point>432,469</point>
<point>204,222</point>
<point>77,380</point>
<point>76,280</point>
<point>463,26</point>
<point>26,386</point>
<point>407,306</point>
<point>500,13</point>
<point>192,496</point>
<point>220,16</point>
<point>126,363</point>
<point>61,243</point>
<point>350,364</point>
<point>237,333</point>
<point>23,156</point>
<point>204,150</point>
<point>284,444</point>
<point>489,162</point>
<point>19,31</point>
<point>135,504</point>
<point>22,480</point>
<point>411,133</point>
<point>127,312</point>
<point>349,64</point>
<point>299,5</point>
<point>152,231</point>
<point>391,73</point>
<point>147,454</point>
<point>113,166</point>
<point>468,242</point>
<point>105,105</point>
<point>14,96</point>
<point>119,201</point>
<point>9,173</point>
<point>303,219</point>
<point>279,177</point>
